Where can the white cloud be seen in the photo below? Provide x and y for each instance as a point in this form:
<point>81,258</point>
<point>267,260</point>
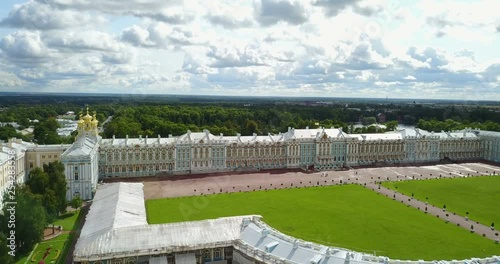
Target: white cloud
<point>10,80</point>
<point>24,45</point>
<point>270,12</point>
<point>34,15</point>
<point>271,47</point>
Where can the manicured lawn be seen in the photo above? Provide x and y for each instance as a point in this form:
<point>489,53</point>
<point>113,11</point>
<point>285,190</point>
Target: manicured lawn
<point>68,220</point>
<point>347,216</point>
<point>480,196</point>
<point>59,245</point>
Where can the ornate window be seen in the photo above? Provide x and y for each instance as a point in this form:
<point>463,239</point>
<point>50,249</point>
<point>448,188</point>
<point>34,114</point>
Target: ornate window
<point>76,176</point>
<point>217,254</point>
<point>206,254</point>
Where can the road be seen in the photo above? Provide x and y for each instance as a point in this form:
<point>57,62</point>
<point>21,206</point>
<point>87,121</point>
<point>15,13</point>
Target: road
<point>101,128</point>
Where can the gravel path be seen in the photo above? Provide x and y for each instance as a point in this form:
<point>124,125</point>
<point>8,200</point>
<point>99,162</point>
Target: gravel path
<point>452,218</point>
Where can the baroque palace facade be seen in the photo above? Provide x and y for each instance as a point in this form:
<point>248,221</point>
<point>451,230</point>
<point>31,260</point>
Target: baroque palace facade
<point>91,158</point>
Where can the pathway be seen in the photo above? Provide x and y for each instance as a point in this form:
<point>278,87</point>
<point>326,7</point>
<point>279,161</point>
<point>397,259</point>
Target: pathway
<point>452,218</point>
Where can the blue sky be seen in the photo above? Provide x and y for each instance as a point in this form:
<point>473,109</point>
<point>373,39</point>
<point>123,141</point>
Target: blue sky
<point>331,48</point>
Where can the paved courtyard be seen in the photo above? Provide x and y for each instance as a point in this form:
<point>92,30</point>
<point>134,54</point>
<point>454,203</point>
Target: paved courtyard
<point>188,185</point>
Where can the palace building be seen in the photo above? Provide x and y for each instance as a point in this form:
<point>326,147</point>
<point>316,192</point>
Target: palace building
<point>91,158</point>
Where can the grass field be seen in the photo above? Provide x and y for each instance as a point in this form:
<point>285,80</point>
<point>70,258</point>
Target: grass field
<point>59,245</point>
<point>480,196</point>
<point>347,216</point>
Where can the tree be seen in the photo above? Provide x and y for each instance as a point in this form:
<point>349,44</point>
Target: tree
<point>50,184</point>
<point>4,251</point>
<point>30,219</point>
<point>369,120</point>
<point>250,127</point>
<point>38,181</point>
<point>9,131</point>
<point>391,125</point>
<point>57,180</point>
<point>76,202</point>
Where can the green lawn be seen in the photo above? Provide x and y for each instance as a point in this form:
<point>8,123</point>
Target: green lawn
<point>480,196</point>
<point>68,220</point>
<point>60,243</point>
<point>347,216</point>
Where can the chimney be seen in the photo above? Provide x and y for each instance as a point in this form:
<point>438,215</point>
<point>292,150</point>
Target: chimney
<point>307,127</point>
<point>289,128</point>
<point>140,136</point>
<point>169,135</point>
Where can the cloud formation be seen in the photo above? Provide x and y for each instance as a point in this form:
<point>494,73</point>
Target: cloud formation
<point>355,48</point>
<point>38,16</point>
<point>270,12</point>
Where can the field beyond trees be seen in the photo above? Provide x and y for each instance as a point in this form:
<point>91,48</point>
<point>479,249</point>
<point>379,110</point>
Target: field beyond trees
<point>348,216</point>
<point>479,196</point>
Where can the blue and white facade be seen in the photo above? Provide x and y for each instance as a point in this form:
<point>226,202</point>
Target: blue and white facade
<point>321,148</point>
<point>81,160</point>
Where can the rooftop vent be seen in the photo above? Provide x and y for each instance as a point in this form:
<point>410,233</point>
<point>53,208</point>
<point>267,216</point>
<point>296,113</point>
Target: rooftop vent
<point>264,232</point>
<point>269,247</point>
<point>316,259</point>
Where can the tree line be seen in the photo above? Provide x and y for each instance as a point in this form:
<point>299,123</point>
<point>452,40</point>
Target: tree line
<point>39,202</point>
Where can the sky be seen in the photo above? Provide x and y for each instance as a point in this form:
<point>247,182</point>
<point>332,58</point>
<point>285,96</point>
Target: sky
<point>439,49</point>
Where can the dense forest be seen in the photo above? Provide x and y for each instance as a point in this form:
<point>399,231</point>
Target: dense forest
<point>134,117</point>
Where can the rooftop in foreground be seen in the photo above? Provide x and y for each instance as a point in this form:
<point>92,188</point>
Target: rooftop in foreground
<point>116,227</point>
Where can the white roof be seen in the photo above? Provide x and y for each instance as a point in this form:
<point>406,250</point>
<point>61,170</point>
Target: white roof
<point>488,133</point>
<point>82,147</point>
<point>314,133</point>
<point>123,142</point>
<point>116,224</point>
<point>377,136</point>
<point>115,205</point>
<point>4,157</point>
<point>259,236</point>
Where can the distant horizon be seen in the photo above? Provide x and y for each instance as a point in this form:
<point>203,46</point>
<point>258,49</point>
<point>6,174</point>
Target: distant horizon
<point>237,96</point>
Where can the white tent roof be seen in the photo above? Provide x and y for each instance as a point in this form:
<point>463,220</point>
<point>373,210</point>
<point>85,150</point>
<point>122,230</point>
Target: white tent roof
<point>116,224</point>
